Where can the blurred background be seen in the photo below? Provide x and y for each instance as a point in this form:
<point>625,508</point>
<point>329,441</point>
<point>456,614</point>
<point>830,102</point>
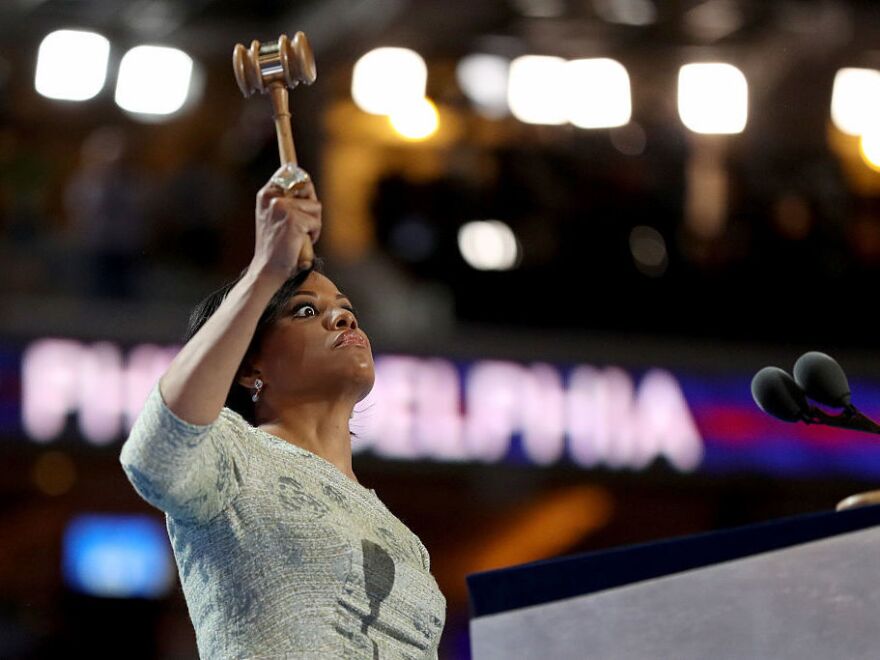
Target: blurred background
<point>573,229</point>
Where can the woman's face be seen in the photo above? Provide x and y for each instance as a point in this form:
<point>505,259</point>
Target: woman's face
<point>315,350</point>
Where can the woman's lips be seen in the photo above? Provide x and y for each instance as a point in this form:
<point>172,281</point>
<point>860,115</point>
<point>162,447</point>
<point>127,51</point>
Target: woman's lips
<point>351,340</point>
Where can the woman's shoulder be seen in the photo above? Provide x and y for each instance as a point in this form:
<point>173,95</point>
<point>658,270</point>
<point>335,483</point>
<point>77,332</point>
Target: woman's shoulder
<point>155,408</point>
<point>231,426</point>
<point>235,419</point>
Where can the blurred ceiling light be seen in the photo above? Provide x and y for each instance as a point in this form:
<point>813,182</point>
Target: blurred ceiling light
<point>714,19</point>
<point>71,65</point>
<point>855,100</point>
<point>483,79</point>
<point>713,98</point>
<point>153,80</point>
<point>489,245</point>
<point>387,78</point>
<point>648,251</point>
<point>869,148</point>
<point>598,93</point>
<point>417,120</point>
<point>626,12</point>
<point>536,89</point>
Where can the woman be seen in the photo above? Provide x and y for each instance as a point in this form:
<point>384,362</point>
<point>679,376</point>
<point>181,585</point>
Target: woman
<point>280,550</point>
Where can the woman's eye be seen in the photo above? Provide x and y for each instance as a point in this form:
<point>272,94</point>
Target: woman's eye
<point>305,306</point>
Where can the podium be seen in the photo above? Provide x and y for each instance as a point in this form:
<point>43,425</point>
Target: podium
<point>804,587</point>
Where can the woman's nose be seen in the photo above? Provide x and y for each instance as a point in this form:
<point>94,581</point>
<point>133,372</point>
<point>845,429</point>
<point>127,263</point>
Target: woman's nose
<point>344,318</point>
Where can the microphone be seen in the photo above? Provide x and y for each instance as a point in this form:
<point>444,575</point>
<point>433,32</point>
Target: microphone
<point>822,379</point>
<point>819,377</point>
<point>777,394</point>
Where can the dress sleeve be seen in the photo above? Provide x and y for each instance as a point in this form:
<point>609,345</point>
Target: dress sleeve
<point>190,471</point>
<point>423,552</point>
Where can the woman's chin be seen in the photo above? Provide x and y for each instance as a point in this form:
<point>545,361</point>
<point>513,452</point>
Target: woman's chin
<point>359,378</point>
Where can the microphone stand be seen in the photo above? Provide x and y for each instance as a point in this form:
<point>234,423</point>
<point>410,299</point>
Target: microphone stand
<point>850,419</point>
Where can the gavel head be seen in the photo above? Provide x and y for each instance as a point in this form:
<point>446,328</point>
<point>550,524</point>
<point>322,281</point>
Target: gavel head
<point>289,61</point>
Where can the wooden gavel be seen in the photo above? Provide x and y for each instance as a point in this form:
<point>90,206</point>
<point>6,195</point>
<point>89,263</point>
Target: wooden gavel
<point>272,68</point>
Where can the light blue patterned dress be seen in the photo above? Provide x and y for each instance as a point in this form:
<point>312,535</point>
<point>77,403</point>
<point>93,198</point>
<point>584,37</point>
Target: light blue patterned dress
<point>279,553</point>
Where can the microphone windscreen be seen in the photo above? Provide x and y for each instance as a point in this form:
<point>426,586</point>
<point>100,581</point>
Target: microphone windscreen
<point>822,379</point>
<point>777,394</point>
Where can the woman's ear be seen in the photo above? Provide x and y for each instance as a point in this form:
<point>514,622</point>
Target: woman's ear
<point>247,373</point>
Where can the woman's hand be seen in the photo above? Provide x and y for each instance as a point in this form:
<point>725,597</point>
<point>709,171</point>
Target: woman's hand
<point>287,226</point>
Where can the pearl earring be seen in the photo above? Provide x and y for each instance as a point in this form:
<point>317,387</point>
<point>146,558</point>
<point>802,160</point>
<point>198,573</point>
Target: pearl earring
<point>258,384</point>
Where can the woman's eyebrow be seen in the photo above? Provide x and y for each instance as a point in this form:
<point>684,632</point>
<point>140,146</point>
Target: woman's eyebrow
<point>315,295</point>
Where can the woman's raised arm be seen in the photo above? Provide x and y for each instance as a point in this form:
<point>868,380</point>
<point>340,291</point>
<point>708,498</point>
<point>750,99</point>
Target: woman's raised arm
<point>181,455</point>
<point>197,381</point>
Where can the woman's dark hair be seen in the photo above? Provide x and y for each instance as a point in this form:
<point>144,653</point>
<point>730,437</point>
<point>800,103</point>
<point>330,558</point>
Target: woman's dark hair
<point>239,398</point>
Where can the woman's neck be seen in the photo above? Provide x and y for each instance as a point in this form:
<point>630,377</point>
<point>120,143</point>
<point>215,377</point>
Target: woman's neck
<point>321,427</point>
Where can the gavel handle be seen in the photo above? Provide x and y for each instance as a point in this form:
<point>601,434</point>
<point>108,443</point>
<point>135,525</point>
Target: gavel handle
<point>281,113</point>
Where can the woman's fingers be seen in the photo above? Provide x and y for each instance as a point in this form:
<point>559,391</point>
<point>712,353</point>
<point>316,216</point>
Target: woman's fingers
<point>305,191</point>
<point>283,209</point>
<point>267,195</point>
<point>279,207</point>
<point>308,205</point>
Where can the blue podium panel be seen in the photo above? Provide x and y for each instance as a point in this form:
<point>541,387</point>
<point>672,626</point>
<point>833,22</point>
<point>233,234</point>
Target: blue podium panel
<point>804,587</point>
